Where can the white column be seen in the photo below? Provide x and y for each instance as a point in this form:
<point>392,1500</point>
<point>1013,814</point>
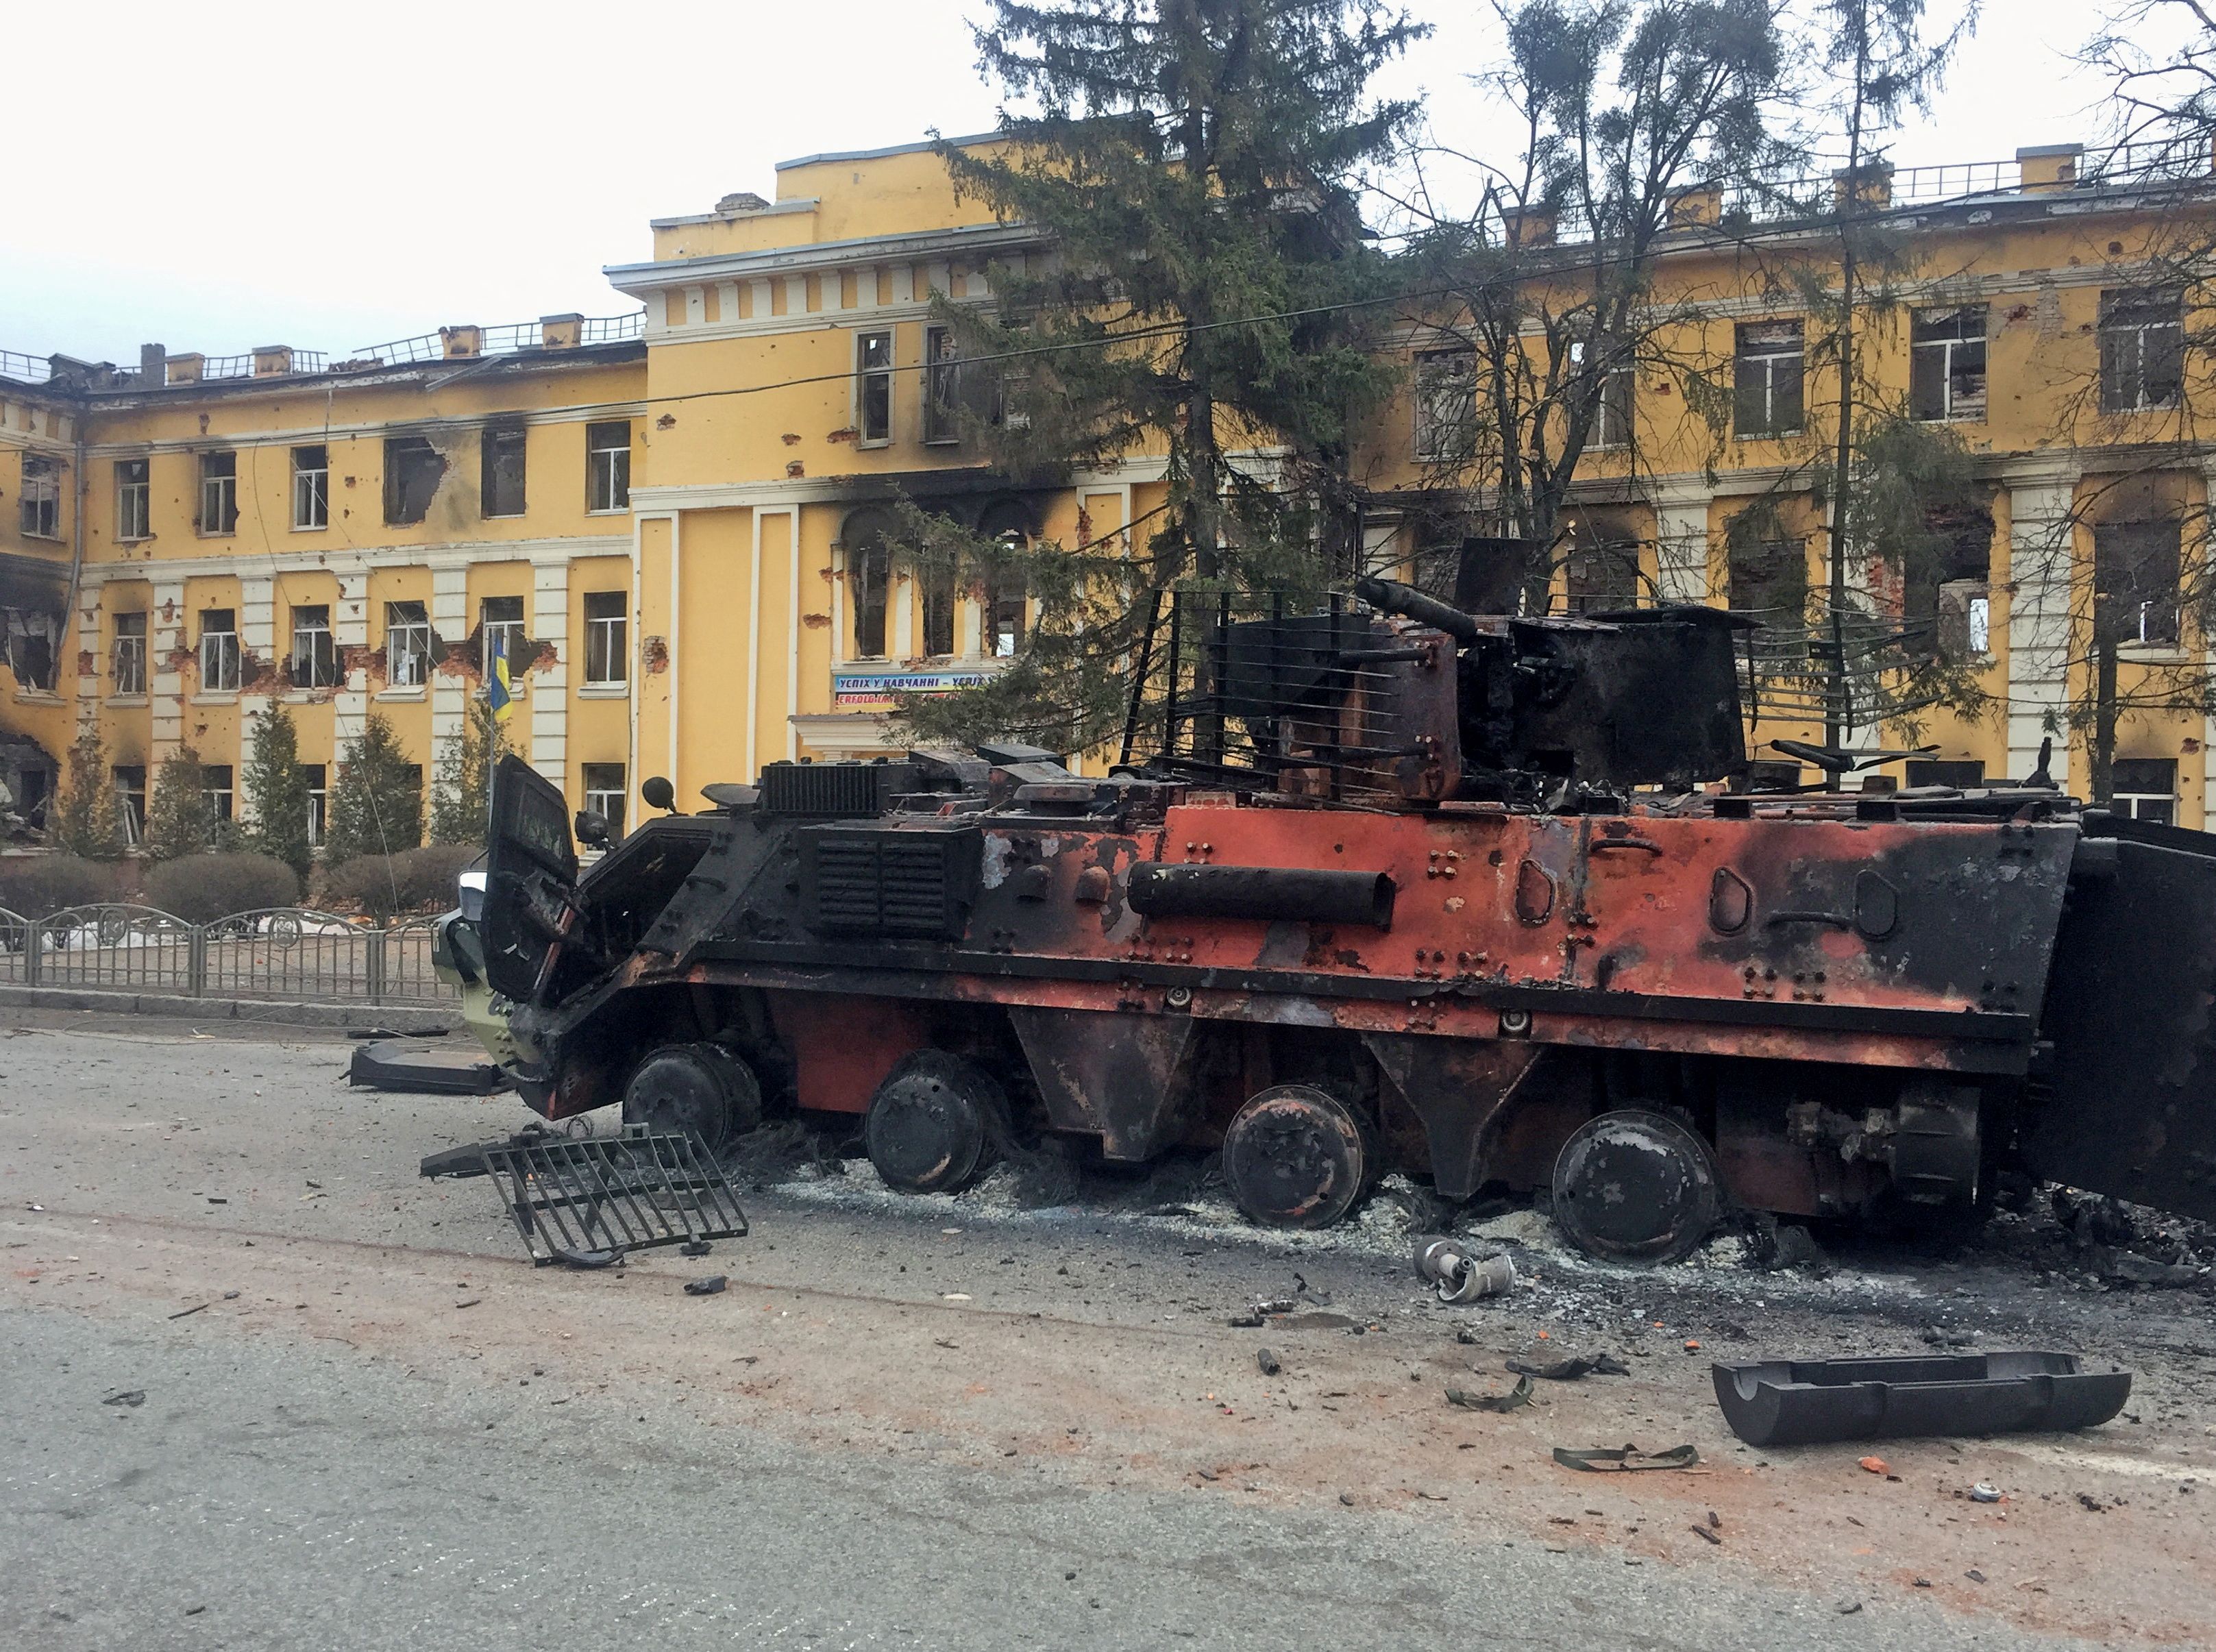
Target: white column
<point>2040,540</point>
<point>257,640</point>
<point>796,295</point>
<point>168,631</point>
<point>350,630</point>
<point>1680,545</point>
<point>550,684</point>
<point>450,691</point>
<point>758,300</point>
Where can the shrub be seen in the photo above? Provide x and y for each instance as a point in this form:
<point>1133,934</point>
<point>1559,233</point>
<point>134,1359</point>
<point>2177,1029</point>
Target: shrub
<point>181,818</point>
<point>38,885</point>
<point>384,885</point>
<point>202,888</point>
<point>376,798</point>
<point>275,791</point>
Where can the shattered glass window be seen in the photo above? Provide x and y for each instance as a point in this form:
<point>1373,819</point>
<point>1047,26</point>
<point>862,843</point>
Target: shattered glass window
<point>127,658</point>
<point>503,471</point>
<point>219,651</point>
<point>407,644</point>
<point>412,471</point>
<point>607,465</point>
<point>133,499</point>
<point>315,662</point>
<point>41,500</point>
<point>873,387</point>
<point>311,486</point>
<point>218,493</point>
<point>2142,349</point>
<point>1947,364</point>
<point>1766,379</point>
<point>607,638</point>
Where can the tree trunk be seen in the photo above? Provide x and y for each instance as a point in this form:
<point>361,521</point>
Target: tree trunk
<point>1837,713</point>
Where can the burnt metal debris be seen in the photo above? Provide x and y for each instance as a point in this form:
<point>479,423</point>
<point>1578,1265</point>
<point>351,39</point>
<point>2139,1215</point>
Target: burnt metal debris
<point>1382,884</point>
<point>587,1202</point>
<point>1805,1402</point>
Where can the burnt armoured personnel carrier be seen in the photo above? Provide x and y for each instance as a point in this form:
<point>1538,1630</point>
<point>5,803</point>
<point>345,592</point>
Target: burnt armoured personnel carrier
<point>1396,885</point>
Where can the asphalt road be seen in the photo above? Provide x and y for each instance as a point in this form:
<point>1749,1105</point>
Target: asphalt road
<point>266,1496</point>
<point>910,1424</point>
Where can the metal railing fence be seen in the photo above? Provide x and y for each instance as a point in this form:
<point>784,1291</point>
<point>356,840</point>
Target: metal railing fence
<point>289,953</point>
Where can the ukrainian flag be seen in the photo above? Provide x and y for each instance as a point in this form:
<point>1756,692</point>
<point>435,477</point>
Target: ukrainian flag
<point>498,688</point>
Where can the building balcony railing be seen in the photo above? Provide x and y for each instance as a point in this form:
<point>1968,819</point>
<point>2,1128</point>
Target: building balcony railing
<point>25,369</point>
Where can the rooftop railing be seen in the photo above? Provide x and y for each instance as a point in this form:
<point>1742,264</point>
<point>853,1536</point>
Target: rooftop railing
<point>25,369</point>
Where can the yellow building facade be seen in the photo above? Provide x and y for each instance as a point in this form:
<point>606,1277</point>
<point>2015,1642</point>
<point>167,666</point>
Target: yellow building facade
<point>681,520</point>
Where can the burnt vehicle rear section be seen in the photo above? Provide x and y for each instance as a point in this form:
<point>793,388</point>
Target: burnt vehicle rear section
<point>1397,887</point>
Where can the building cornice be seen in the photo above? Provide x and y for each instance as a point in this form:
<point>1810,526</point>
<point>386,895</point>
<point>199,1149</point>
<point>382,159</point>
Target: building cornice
<point>639,281</point>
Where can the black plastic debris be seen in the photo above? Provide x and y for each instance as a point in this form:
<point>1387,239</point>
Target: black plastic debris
<point>1801,1402</point>
<point>129,1397</point>
<point>1629,1460</point>
<point>1267,1363</point>
<point>1518,1396</point>
<point>712,1286</point>
<point>586,1203</point>
<point>421,1068</point>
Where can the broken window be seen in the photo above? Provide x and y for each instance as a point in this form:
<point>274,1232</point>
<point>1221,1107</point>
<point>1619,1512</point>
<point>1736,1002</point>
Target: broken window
<point>412,471</point>
<point>1446,405</point>
<point>2145,788</point>
<point>315,662</point>
<point>1965,620</point>
<point>319,796</point>
<point>128,657</point>
<point>938,582</point>
<point>407,644</point>
<point>216,784</point>
<point>1947,364</point>
<point>503,470</point>
<point>942,386</point>
<point>312,487</point>
<point>133,500</point>
<point>607,465</point>
<point>30,641</point>
<point>1007,606</point>
<point>1766,379</point>
<point>499,633</point>
<point>607,638</point>
<point>2135,580</point>
<point>218,512</point>
<point>869,578</point>
<point>131,794</point>
<point>219,651</point>
<point>873,388</point>
<point>2142,349</point>
<point>1963,773</point>
<point>1945,606</point>
<point>1603,574</point>
<point>605,792</point>
<point>41,501</point>
<point>1770,583</point>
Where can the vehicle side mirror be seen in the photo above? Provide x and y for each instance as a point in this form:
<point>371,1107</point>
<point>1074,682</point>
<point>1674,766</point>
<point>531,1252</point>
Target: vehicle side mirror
<point>657,792</point>
<point>592,828</point>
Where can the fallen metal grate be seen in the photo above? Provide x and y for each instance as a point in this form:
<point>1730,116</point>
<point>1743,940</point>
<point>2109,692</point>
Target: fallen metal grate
<point>589,1201</point>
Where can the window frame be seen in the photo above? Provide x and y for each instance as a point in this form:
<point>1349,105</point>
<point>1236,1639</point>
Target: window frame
<point>218,493</point>
<point>2125,315</point>
<point>311,489</point>
<point>1745,355</point>
<point>222,798</point>
<point>610,635</point>
<point>129,781</point>
<point>1954,406</point>
<point>617,492</point>
<point>406,456</point>
<point>487,626</point>
<point>866,376</point>
<point>39,502</point>
<point>134,499</point>
<point>224,658</point>
<point>328,676</point>
<point>1431,386</point>
<point>493,445</point>
<point>407,638</point>
<point>2119,571</point>
<point>124,645</point>
<point>942,388</point>
<point>619,794</point>
<point>318,778</point>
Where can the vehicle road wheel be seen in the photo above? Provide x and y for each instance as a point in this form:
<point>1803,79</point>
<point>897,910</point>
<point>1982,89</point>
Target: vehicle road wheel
<point>1296,1156</point>
<point>936,1124</point>
<point>700,1088</point>
<point>1636,1186</point>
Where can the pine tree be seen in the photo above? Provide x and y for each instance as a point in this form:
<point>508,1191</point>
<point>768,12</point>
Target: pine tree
<point>377,801</point>
<point>1196,165</point>
<point>276,792</point>
<point>181,819</point>
<point>461,791</point>
<point>87,819</point>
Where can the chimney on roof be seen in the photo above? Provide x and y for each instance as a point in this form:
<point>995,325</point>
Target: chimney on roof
<point>153,365</point>
<point>2049,166</point>
<point>744,201</point>
<point>272,360</point>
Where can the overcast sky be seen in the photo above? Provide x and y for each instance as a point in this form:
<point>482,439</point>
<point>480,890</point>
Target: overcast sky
<point>241,172</point>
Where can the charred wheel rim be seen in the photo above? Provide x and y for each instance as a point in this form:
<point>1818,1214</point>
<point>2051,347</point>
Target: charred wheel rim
<point>699,1088</point>
<point>1636,1186</point>
<point>935,1124</point>
<point>1295,1157</point>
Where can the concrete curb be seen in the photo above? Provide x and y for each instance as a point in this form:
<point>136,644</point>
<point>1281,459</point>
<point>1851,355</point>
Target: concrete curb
<point>231,1009</point>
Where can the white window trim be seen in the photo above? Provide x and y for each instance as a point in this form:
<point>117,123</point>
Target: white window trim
<point>406,627</point>
<point>891,335</point>
<point>591,454</point>
<point>146,491</point>
<point>1769,358</point>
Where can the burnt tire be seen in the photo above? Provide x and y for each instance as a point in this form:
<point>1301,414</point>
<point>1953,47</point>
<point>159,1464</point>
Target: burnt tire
<point>1297,1157</point>
<point>936,1124</point>
<point>701,1089</point>
<point>1634,1186</point>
